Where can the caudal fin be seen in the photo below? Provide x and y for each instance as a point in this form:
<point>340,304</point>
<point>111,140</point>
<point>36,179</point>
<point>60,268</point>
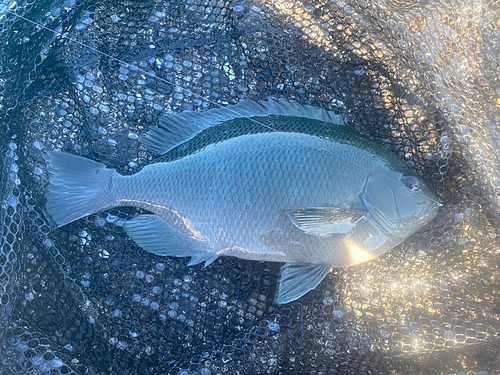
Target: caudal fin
<point>77,187</point>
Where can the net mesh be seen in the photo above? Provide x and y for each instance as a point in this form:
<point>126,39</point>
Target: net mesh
<point>419,77</point>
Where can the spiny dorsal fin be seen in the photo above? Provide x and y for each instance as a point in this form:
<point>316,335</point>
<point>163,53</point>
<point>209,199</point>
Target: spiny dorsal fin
<point>175,129</point>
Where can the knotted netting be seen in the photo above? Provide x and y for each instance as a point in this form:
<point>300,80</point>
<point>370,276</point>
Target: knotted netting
<point>419,77</point>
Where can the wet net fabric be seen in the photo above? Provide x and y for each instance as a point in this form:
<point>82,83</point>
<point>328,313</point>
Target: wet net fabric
<point>419,77</point>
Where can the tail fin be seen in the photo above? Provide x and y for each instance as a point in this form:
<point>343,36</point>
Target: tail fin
<point>77,187</point>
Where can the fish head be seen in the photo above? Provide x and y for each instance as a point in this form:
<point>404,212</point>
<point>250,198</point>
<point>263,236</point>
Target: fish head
<point>399,201</point>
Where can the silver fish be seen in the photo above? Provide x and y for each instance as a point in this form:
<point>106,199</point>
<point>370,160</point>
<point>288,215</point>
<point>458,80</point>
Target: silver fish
<point>261,186</point>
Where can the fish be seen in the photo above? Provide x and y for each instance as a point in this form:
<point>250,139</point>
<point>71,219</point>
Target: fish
<point>272,181</point>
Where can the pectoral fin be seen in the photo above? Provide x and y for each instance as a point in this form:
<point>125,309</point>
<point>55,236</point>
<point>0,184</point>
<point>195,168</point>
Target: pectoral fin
<point>299,278</point>
<point>156,236</point>
<point>322,222</point>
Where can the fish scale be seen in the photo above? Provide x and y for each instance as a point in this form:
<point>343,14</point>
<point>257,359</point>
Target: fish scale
<point>243,177</point>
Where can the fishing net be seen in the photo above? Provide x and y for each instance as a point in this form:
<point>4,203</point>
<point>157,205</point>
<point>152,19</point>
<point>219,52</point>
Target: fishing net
<point>419,77</point>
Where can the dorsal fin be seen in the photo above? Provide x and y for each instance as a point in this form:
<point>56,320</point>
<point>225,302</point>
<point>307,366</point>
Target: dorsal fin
<point>174,129</point>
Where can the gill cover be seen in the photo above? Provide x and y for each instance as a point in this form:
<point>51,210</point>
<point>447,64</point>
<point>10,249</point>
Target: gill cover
<point>399,205</point>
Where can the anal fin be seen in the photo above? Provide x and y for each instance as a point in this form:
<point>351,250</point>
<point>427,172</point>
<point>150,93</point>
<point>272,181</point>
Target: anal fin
<point>299,278</point>
<point>156,236</point>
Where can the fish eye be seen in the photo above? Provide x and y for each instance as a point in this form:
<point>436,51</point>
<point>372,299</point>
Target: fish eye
<point>411,182</point>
